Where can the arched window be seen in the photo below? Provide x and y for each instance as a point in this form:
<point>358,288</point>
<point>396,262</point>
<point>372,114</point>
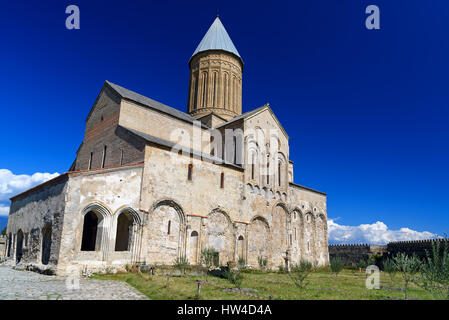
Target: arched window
<point>268,171</point>
<point>204,97</point>
<point>240,245</point>
<point>215,89</point>
<point>222,180</point>
<point>279,174</point>
<point>252,166</point>
<point>90,160</point>
<point>124,232</point>
<point>91,237</point>
<point>103,163</point>
<point>46,243</point>
<point>169,227</point>
<point>193,246</point>
<point>225,90</point>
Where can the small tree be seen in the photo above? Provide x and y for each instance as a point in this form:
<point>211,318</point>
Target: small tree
<point>408,267</point>
<point>434,273</point>
<point>389,268</point>
<point>299,273</point>
<point>181,264</point>
<point>208,258</point>
<point>4,231</point>
<point>336,265</point>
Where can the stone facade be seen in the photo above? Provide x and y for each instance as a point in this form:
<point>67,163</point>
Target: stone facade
<point>2,246</point>
<point>150,184</point>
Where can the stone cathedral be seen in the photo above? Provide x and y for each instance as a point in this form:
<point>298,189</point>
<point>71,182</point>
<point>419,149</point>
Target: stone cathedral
<point>151,183</point>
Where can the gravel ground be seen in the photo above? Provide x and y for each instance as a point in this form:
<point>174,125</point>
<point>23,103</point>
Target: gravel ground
<point>26,285</point>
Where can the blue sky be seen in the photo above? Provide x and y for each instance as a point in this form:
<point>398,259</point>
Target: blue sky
<point>366,110</point>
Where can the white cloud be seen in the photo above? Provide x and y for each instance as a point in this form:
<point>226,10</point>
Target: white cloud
<point>375,233</point>
<point>12,184</point>
<point>4,211</point>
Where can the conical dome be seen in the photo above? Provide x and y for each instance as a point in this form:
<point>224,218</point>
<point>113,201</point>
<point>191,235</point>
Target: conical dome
<point>216,38</point>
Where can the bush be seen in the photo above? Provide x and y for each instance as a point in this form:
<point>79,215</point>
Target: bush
<point>208,257</point>
<point>4,231</point>
<point>434,273</point>
<point>336,265</point>
<point>363,263</point>
<point>262,262</point>
<point>241,263</point>
<point>300,272</point>
<point>234,277</point>
<point>181,263</point>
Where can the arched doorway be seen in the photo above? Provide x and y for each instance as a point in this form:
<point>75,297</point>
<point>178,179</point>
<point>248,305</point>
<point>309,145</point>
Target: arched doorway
<point>166,232</point>
<point>19,246</point>
<point>193,249</point>
<point>91,236</point>
<point>219,236</point>
<point>258,240</point>
<point>124,232</point>
<point>46,244</point>
<point>279,231</point>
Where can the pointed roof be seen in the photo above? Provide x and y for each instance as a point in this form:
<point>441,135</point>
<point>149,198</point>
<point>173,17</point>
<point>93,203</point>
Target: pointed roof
<point>216,38</point>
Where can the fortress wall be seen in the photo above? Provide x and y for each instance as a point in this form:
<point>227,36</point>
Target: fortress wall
<point>418,247</point>
<point>351,254</point>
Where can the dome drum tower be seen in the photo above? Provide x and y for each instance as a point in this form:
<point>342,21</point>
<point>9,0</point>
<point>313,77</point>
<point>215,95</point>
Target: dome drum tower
<point>215,85</point>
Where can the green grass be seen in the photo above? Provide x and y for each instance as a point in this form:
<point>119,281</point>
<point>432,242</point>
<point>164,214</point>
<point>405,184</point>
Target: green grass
<point>348,285</point>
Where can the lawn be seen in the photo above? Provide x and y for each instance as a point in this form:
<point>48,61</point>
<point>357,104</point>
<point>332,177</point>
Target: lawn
<point>323,285</point>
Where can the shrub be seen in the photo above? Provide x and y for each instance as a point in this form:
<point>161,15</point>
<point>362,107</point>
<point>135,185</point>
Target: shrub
<point>408,267</point>
<point>305,265</point>
<point>363,263</point>
<point>281,268</point>
<point>181,263</point>
<point>241,263</point>
<point>434,273</point>
<point>4,231</point>
<point>336,265</point>
<point>208,258</point>
<point>262,262</point>
<point>300,272</point>
<point>234,277</point>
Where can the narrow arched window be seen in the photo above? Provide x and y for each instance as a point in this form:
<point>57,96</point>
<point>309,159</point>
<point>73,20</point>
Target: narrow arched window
<point>222,180</point>
<point>90,160</point>
<point>169,226</point>
<point>204,102</point>
<point>103,163</point>
<point>252,166</point>
<point>279,174</point>
<point>189,172</point>
<point>225,89</point>
<point>215,89</point>
<point>268,171</point>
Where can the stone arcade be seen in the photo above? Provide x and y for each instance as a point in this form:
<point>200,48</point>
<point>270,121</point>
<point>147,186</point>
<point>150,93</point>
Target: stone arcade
<point>129,197</point>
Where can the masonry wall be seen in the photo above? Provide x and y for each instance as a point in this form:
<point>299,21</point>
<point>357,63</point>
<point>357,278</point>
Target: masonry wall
<point>108,193</point>
<point>33,211</point>
<point>102,130</point>
<point>2,246</point>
